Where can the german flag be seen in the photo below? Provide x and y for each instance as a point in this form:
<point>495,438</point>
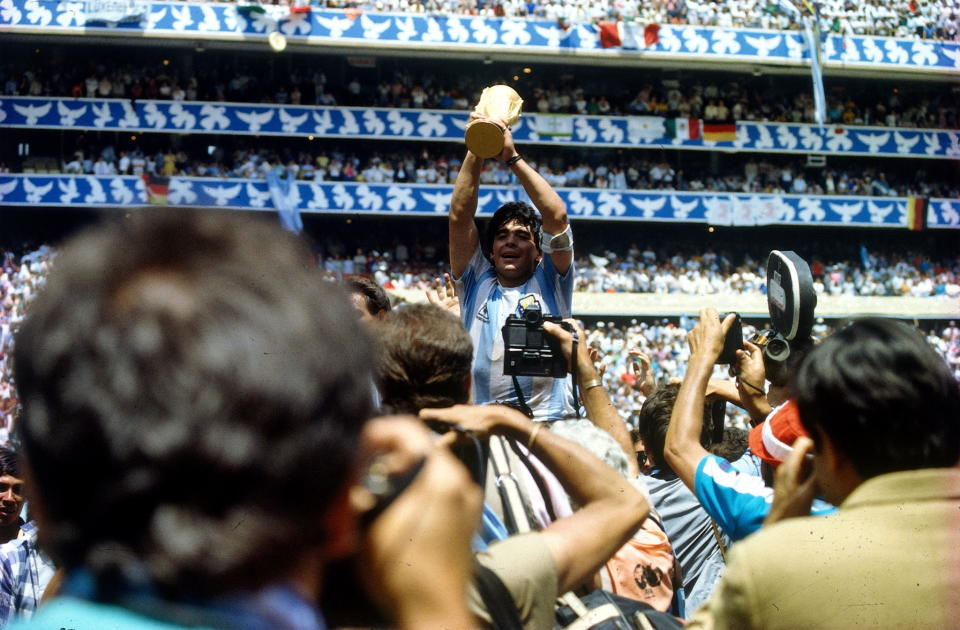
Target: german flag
<point>719,132</point>
<point>916,213</point>
<point>157,189</point>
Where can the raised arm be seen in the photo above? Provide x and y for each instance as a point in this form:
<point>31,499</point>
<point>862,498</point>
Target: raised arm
<point>682,448</point>
<point>596,399</point>
<point>611,509</point>
<point>463,234</point>
<point>544,198</point>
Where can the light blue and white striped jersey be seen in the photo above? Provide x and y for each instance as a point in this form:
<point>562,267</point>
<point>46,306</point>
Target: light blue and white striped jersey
<point>485,306</point>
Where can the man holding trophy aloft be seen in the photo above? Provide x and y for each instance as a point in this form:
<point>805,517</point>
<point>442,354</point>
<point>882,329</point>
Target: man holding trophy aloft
<point>523,267</point>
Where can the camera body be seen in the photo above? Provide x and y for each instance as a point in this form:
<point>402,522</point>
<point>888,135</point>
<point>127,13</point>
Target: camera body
<point>530,351</point>
<point>732,342</point>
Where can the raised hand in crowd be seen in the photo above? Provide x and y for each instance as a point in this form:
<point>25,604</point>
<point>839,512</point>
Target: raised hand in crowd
<point>444,294</point>
<point>643,370</point>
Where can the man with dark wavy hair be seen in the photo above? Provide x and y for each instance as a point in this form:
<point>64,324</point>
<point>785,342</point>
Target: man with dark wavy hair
<point>883,412</point>
<point>195,413</point>
<point>524,259</point>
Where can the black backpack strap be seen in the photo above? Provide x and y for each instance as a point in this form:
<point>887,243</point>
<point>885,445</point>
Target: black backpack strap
<point>497,599</point>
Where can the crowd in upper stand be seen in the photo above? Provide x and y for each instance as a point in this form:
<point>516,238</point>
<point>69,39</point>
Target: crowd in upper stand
<point>743,98</point>
<point>927,19</point>
<point>768,174</point>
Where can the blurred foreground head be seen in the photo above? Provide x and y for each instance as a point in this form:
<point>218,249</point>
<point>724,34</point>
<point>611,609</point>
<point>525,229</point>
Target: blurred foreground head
<point>193,394</point>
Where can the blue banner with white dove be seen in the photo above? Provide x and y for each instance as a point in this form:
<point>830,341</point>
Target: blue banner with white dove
<point>434,200</point>
<point>446,125</point>
<point>351,27</point>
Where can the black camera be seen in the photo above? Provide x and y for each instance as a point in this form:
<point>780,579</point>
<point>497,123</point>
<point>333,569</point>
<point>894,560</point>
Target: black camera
<point>528,350</point>
<point>732,342</point>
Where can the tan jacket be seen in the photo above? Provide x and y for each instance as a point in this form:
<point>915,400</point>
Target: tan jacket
<point>889,559</point>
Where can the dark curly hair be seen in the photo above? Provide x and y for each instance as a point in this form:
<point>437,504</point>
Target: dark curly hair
<point>883,396</point>
<point>193,394</point>
<point>522,213</point>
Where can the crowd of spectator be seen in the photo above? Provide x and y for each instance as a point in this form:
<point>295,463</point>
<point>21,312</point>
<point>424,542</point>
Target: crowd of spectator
<point>770,175</point>
<point>641,270</point>
<point>694,97</point>
<point>875,274</point>
<point>649,270</point>
<point>665,344</point>
<point>224,401</point>
<point>934,19</point>
<point>21,278</point>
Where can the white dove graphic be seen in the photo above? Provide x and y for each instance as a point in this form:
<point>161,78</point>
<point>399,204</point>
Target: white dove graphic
<point>36,192</point>
<point>905,144</point>
<point>222,194</point>
<point>439,201</point>
<point>68,117</point>
<point>682,210</point>
<point>650,205</point>
<point>68,187</point>
<point>8,187</point>
<point>324,124</point>
<point>33,113</point>
<point>255,119</point>
<point>258,198</point>
<point>847,210</point>
<point>874,141</point>
<point>291,123</point>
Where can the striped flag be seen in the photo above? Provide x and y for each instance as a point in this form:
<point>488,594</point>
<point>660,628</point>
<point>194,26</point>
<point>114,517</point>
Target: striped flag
<point>683,128</point>
<point>158,188</point>
<point>720,132</point>
<point>916,213</point>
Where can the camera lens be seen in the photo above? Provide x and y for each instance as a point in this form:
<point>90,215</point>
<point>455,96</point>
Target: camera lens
<point>778,349</point>
<point>533,316</point>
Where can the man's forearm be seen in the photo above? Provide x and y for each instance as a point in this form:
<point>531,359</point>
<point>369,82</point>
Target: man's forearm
<point>463,235</point>
<point>543,196</point>
<point>463,201</point>
<point>682,445</point>
<point>601,411</point>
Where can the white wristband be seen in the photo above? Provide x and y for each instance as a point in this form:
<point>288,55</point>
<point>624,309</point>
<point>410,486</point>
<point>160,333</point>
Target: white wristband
<point>562,242</point>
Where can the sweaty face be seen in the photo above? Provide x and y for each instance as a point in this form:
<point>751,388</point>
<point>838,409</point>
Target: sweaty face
<point>11,499</point>
<point>514,253</point>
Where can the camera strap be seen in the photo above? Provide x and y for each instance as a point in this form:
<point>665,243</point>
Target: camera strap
<point>575,375</point>
<point>521,400</point>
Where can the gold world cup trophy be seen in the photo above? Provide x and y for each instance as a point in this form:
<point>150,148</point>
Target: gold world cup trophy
<point>497,102</point>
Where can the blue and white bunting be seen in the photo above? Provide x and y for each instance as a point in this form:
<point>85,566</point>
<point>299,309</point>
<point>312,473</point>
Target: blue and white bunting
<point>448,126</point>
<point>434,200</point>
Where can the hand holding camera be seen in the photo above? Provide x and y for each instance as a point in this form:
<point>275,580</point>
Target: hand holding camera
<point>712,338</point>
